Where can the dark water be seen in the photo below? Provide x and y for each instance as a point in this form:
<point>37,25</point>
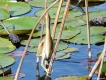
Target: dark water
<point>76,65</point>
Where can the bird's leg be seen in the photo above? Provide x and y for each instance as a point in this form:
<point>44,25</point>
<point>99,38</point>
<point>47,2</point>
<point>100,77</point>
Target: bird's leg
<point>42,64</point>
<point>37,66</point>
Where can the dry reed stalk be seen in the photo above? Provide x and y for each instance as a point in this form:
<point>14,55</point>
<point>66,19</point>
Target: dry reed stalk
<point>58,39</point>
<point>97,63</point>
<point>102,59</point>
<point>56,19</point>
<point>88,29</point>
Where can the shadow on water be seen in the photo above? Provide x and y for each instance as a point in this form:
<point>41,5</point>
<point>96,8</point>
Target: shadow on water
<point>76,65</point>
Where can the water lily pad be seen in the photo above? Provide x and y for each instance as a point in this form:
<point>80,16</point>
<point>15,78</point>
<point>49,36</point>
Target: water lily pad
<point>38,3</point>
<point>68,33</point>
<point>6,60</point>
<point>72,78</point>
<point>95,14</point>
<point>69,50</point>
<point>95,36</point>
<point>4,14</point>
<point>19,25</point>
<point>6,46</point>
<point>73,21</point>
<point>16,8</point>
<point>62,55</point>
<point>52,12</point>
<point>6,78</point>
<point>33,42</point>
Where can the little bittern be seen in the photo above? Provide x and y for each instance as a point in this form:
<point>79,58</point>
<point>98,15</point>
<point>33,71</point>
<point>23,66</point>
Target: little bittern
<point>45,48</point>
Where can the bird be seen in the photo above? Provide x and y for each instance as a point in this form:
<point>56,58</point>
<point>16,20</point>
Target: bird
<point>45,48</point>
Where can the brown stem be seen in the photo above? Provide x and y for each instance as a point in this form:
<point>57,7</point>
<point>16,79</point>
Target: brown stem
<point>59,36</point>
<point>88,29</point>
<point>56,19</point>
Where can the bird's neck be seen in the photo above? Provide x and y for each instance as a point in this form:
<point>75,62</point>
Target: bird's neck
<point>47,24</point>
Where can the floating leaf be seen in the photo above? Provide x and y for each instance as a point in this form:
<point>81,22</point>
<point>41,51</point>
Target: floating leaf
<point>82,78</point>
<point>33,42</point>
<point>73,21</point>
<point>52,12</point>
<point>62,55</point>
<point>95,36</point>
<point>62,46</point>
<point>69,50</point>
<point>72,78</point>
<point>40,3</point>
<point>19,25</point>
<point>95,14</point>
<point>6,60</point>
<point>16,8</point>
<point>68,33</point>
<point>6,78</point>
<point>4,14</point>
<point>4,48</point>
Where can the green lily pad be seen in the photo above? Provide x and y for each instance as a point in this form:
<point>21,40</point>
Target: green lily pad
<point>95,36</point>
<point>33,42</point>
<point>72,78</point>
<point>4,48</point>
<point>73,21</point>
<point>95,14</point>
<point>69,50</point>
<point>62,55</point>
<point>40,3</point>
<point>19,25</point>
<point>81,39</point>
<point>82,78</point>
<point>6,78</point>
<point>52,12</point>
<point>62,46</point>
<point>6,60</point>
<point>16,8</point>
<point>4,14</point>
<point>68,33</point>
